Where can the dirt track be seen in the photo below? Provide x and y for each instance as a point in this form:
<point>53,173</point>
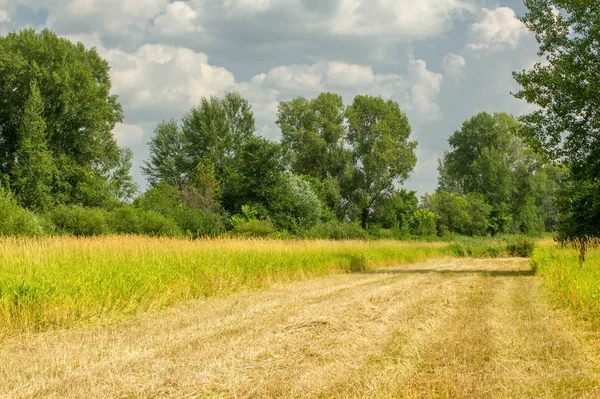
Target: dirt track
<point>446,328</point>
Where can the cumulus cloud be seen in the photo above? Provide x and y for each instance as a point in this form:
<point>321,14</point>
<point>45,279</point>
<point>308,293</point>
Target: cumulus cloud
<point>128,135</point>
<point>453,66</point>
<point>178,19</point>
<point>497,29</point>
<point>301,78</point>
<point>425,87</point>
<point>126,21</point>
<point>249,6</point>
<point>157,74</point>
<point>416,91</point>
<point>407,19</point>
<point>341,74</point>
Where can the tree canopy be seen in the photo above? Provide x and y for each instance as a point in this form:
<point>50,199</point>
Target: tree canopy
<point>55,96</point>
<point>566,87</point>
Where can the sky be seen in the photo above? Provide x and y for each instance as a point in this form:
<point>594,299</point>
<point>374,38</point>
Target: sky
<point>443,61</point>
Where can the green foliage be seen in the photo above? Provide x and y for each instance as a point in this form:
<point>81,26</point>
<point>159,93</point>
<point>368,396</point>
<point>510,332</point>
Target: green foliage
<point>489,158</point>
<point>334,230</point>
<point>565,87</point>
<point>253,228</point>
<point>378,132</point>
<point>62,128</point>
<point>522,247</point>
<point>16,221</point>
<point>131,220</point>
<point>193,208</point>
<point>298,207</point>
<point>34,168</point>
<point>423,223</point>
<point>167,161</point>
<point>79,221</point>
<point>313,135</point>
<point>468,215</point>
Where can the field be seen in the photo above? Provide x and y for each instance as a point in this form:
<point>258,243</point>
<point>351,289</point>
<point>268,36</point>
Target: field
<point>62,282</point>
<point>138,317</point>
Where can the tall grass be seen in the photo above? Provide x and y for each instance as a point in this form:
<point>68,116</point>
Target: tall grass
<point>65,281</point>
<point>571,284</point>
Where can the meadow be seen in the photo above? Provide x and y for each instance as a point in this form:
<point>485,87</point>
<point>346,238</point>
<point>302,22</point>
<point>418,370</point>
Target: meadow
<point>569,283</point>
<point>61,282</point>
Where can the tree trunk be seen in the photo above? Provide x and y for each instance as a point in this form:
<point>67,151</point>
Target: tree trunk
<point>365,218</point>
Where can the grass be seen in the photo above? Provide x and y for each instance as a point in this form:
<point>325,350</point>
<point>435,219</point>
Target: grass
<point>62,282</point>
<point>571,285</point>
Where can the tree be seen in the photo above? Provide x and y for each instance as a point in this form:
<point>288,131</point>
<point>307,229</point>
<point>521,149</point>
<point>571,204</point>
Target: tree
<point>167,157</point>
<point>378,132</point>
<point>313,134</point>
<point>121,182</point>
<point>214,134</point>
<point>488,157</point>
<point>313,138</point>
<point>34,168</point>
<point>462,214</point>
<point>566,126</point>
<point>78,110</point>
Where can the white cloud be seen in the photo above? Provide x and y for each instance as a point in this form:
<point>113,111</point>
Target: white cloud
<point>170,77</point>
<point>179,18</point>
<point>497,29</point>
<point>405,19</point>
<point>453,66</point>
<point>416,91</point>
<point>341,74</point>
<point>425,87</point>
<point>299,78</point>
<point>128,135</point>
<point>129,20</point>
<point>249,6</point>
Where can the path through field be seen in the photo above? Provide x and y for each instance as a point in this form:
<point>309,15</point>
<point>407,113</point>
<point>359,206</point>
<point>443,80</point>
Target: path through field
<point>446,328</point>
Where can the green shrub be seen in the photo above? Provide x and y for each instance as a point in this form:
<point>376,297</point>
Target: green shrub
<point>253,228</point>
<point>522,247</point>
<point>130,220</point>
<point>80,221</point>
<point>17,221</point>
<point>334,230</point>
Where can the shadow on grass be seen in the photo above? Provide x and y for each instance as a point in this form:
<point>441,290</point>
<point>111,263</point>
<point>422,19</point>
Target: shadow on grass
<point>492,273</point>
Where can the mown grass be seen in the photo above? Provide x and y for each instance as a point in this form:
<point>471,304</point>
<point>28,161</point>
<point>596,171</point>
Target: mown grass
<point>61,282</point>
<point>571,285</point>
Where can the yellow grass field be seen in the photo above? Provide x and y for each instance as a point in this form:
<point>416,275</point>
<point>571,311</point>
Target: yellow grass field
<point>442,328</point>
<point>63,282</point>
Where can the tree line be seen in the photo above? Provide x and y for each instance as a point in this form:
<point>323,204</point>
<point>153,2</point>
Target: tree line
<point>336,172</point>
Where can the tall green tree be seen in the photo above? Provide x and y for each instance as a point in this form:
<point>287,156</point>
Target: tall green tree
<point>378,133</point>
<point>167,157</point>
<point>78,109</point>
<point>565,87</point>
<point>34,168</point>
<point>487,157</point>
<point>313,134</point>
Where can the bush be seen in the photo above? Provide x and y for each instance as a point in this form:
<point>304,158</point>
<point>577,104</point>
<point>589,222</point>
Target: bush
<point>130,220</point>
<point>522,248</point>
<point>423,223</point>
<point>335,230</point>
<point>253,228</point>
<point>17,221</point>
<point>80,221</point>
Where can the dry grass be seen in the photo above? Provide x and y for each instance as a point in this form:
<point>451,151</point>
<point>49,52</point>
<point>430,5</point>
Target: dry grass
<point>61,282</point>
<point>446,328</point>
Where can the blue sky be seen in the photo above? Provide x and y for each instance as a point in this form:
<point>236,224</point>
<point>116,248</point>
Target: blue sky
<point>442,60</point>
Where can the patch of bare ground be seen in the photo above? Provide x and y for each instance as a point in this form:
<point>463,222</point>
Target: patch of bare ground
<point>445,328</point>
